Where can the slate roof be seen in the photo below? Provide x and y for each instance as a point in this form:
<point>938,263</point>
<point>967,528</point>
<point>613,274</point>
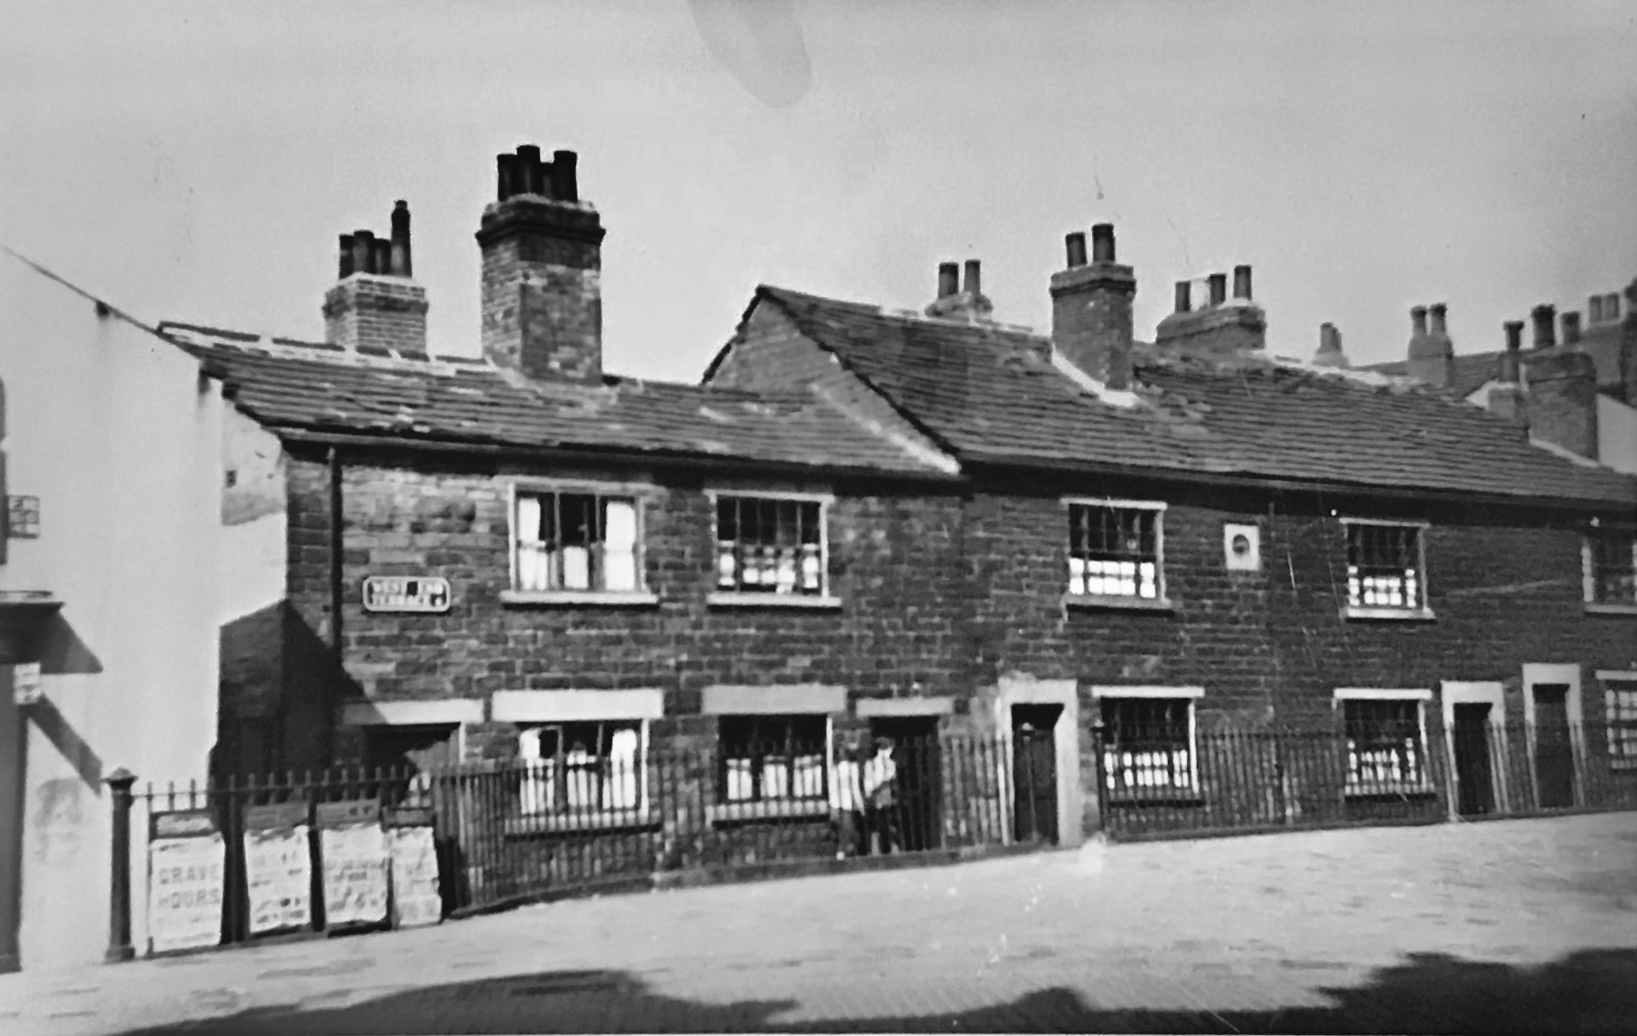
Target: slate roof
<point>296,387</point>
<point>990,394</point>
<point>1602,342</point>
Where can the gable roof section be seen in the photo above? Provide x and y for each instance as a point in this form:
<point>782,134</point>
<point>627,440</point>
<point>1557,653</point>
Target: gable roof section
<point>302,389</point>
<point>990,394</point>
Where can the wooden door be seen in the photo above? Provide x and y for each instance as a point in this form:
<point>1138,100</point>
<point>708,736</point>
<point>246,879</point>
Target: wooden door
<point>1554,746</point>
<point>1034,772</point>
<point>1474,779</point>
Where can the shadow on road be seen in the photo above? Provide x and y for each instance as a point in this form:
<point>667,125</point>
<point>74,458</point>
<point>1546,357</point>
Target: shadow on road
<point>1591,991</point>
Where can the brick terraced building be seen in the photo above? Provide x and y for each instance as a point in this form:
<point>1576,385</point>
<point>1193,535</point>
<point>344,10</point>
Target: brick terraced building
<point>911,522</point>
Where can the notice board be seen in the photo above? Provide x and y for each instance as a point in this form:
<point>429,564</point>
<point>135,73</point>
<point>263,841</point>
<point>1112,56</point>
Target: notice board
<point>278,867</point>
<point>414,873</point>
<point>186,872</point>
<point>353,848</point>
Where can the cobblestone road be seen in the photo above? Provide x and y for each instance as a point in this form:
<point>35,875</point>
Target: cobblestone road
<point>1526,925</point>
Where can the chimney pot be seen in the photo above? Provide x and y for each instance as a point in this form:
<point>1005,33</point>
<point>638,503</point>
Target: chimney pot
<point>1218,283</point>
<point>974,282</point>
<point>1545,336</point>
<point>1418,319</point>
<point>346,257</point>
<point>1594,309</point>
<point>1571,328</point>
<point>381,257</point>
<point>1075,243</point>
<point>401,262</point>
<point>1102,243</point>
<point>1438,311</point>
<point>363,251</point>
<point>1611,306</point>
<point>531,175</point>
<point>949,279</point>
<point>506,177</point>
<point>1184,290</point>
<point>1241,282</point>
<point>565,178</point>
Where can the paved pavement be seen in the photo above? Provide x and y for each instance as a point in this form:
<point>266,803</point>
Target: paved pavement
<point>1526,925</point>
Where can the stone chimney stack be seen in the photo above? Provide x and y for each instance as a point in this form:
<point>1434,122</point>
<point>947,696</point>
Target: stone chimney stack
<point>542,270</point>
<point>1091,309</point>
<point>376,304</point>
<point>969,303</point>
<point>1223,326</point>
<point>1330,353</point>
<point>1432,354</point>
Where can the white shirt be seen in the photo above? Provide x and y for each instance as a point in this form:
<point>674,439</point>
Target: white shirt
<point>845,792</point>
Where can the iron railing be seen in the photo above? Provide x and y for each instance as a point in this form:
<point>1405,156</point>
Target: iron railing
<point>1228,779</point>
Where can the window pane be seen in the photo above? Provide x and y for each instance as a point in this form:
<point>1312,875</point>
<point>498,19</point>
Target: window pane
<point>619,545</point>
<point>1114,551</point>
<point>768,545</point>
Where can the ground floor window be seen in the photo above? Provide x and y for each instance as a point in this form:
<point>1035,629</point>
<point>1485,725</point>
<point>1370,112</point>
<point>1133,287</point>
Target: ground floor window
<point>1148,743</point>
<point>1620,709</point>
<point>1386,740</point>
<point>581,767</point>
<point>772,758</point>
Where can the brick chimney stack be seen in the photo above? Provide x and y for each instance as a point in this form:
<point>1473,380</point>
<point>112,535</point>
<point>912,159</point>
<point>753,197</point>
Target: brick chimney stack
<point>968,304</point>
<point>1091,309</point>
<point>1562,387</point>
<point>1223,326</point>
<point>542,270</point>
<point>376,304</point>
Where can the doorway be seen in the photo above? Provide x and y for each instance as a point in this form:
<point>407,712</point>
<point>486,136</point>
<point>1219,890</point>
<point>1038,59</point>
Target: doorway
<point>1034,772</point>
<point>918,771</point>
<point>1474,774</point>
<point>1554,746</point>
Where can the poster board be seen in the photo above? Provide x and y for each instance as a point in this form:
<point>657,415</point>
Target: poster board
<point>186,875</point>
<point>353,849</point>
<point>278,867</point>
<point>414,871</point>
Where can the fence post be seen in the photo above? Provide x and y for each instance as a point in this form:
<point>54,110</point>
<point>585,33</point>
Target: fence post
<point>119,880</point>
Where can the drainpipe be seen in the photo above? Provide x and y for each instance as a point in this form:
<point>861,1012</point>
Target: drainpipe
<point>336,643</point>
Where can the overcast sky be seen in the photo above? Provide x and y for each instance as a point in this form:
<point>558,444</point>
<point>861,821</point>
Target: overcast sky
<point>197,160</point>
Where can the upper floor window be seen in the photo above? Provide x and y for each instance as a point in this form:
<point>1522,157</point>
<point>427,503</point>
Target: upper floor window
<point>1386,740</point>
<point>1116,549</point>
<point>1386,566</point>
<point>1611,565</point>
<point>770,545</point>
<point>577,541</point>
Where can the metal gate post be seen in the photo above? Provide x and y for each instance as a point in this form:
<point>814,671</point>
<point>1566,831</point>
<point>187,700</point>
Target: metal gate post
<point>1098,766</point>
<point>119,879</point>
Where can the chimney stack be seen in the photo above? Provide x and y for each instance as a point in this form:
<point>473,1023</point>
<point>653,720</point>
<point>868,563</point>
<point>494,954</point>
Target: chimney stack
<point>375,304</point>
<point>1221,327</point>
<point>1091,309</point>
<point>1431,353</point>
<point>542,270</point>
<point>969,303</point>
<point>1330,353</point>
<point>1508,398</point>
<point>1571,330</point>
<point>1545,336</point>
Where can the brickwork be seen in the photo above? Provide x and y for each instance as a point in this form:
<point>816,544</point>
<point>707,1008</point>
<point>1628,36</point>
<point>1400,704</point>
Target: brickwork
<point>1221,330</point>
<point>376,312</point>
<point>542,293</point>
<point>1563,399</point>
<point>1091,319</point>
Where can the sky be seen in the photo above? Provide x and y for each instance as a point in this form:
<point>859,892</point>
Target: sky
<point>197,160</point>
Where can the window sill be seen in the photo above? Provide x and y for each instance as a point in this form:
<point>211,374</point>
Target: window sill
<point>559,823</point>
<point>731,599</point>
<point>1156,797</point>
<point>771,809</point>
<point>600,598</point>
<point>1389,614</point>
<point>1119,603</point>
<point>1387,790</point>
<point>1621,763</point>
<point>1610,609</point>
